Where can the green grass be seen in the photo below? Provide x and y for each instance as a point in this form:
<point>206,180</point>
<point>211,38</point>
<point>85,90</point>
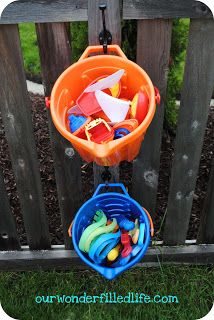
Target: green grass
<point>79,35</point>
<point>30,48</point>
<point>192,285</point>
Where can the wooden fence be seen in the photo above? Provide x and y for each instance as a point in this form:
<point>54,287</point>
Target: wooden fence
<point>153,52</point>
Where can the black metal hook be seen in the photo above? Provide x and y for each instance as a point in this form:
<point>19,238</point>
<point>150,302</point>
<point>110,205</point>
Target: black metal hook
<point>105,36</point>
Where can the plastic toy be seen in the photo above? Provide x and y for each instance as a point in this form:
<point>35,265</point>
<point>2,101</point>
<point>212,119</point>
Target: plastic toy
<point>139,106</point>
<point>99,131</point>
<point>116,227</point>
<point>110,82</point>
<point>151,223</point>
<point>114,108</point>
<point>77,77</point>
<point>99,220</point>
<point>103,245</point>
<point>114,253</point>
<point>87,102</point>
<point>136,236</point>
<point>120,133</point>
<point>125,223</point>
<point>134,233</point>
<point>130,125</point>
<point>141,235</point>
<point>121,261</point>
<point>127,248</point>
<point>76,122</point>
<point>99,231</point>
<point>135,250</point>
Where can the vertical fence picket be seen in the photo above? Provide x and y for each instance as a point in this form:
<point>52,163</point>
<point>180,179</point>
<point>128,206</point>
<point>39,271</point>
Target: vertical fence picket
<point>8,234</point>
<point>15,108</point>
<point>195,101</point>
<point>55,55</point>
<point>153,52</point>
<point>206,230</point>
<point>113,24</point>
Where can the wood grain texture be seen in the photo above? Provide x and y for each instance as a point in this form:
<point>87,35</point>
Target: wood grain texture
<point>98,170</point>
<point>113,20</point>
<point>113,24</point>
<point>55,55</point>
<point>8,234</point>
<point>195,101</point>
<point>153,52</point>
<point>206,230</point>
<point>76,10</point>
<point>16,114</point>
<point>60,259</point>
<point>45,11</point>
<point>165,9</point>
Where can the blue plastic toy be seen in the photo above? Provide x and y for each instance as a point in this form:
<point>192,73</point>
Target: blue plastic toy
<point>112,204</point>
<point>103,245</point>
<point>141,235</point>
<point>120,133</point>
<point>76,121</point>
<point>125,223</point>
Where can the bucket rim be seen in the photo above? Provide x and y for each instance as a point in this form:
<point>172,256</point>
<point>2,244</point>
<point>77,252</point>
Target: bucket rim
<point>107,271</point>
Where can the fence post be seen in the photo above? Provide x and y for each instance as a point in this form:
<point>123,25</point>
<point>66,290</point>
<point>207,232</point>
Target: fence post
<point>55,55</point>
<point>153,52</point>
<point>8,234</point>
<point>206,230</point>
<point>195,101</point>
<point>113,24</point>
<point>16,114</point>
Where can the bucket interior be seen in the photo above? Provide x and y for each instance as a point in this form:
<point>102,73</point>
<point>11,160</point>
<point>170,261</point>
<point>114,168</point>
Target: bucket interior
<point>76,78</point>
<point>112,204</point>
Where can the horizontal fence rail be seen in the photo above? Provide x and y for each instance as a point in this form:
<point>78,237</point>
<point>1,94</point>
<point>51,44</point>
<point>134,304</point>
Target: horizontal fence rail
<point>61,259</point>
<point>76,10</point>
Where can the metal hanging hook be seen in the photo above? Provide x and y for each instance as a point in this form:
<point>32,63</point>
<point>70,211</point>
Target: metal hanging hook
<point>105,35</point>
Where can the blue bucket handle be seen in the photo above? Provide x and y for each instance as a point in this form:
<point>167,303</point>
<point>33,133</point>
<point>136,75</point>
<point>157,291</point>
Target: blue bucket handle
<point>111,185</point>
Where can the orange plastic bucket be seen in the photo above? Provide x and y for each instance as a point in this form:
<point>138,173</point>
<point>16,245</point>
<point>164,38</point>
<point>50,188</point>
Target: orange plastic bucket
<point>76,78</point>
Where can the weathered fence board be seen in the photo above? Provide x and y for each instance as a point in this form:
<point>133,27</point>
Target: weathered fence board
<point>8,234</point>
<point>153,51</point>
<point>55,55</point>
<point>76,10</point>
<point>195,101</point>
<point>206,231</point>
<point>167,9</point>
<point>45,11</point>
<point>15,108</point>
<point>113,20</point>
<point>94,28</point>
<point>60,259</point>
<point>98,170</point>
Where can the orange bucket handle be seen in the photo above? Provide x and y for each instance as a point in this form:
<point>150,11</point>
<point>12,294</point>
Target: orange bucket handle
<point>97,50</point>
<point>151,222</point>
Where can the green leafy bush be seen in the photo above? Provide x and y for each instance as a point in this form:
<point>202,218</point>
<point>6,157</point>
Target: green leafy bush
<point>175,77</point>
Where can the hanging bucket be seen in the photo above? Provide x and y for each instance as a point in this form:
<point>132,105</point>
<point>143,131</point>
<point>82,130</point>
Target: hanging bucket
<point>112,204</point>
<point>76,78</point>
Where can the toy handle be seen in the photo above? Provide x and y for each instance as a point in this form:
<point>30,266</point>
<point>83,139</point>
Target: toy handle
<point>111,185</point>
<point>97,50</point>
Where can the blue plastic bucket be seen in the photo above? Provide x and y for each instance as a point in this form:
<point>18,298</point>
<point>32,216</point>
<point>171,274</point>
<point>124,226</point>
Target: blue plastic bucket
<point>112,204</point>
